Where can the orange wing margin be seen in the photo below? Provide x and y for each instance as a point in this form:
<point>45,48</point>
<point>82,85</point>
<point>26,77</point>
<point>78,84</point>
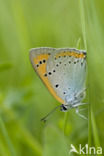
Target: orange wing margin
<point>40,62</point>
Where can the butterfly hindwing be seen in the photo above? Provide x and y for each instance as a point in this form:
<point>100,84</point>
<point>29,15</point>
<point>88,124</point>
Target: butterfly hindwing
<point>67,70</point>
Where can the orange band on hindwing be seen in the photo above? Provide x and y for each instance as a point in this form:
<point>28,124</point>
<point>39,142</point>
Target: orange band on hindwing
<point>69,53</point>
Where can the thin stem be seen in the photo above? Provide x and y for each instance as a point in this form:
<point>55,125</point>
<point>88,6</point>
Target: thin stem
<point>85,45</point>
<point>65,121</point>
<point>95,132</point>
<point>83,23</point>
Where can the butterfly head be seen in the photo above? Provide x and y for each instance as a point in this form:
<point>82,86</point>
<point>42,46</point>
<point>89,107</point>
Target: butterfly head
<point>63,108</point>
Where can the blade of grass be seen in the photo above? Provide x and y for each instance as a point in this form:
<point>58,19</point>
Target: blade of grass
<point>82,14</point>
<point>92,129</point>
<point>85,45</point>
<point>95,132</point>
<point>65,121</point>
<point>7,139</point>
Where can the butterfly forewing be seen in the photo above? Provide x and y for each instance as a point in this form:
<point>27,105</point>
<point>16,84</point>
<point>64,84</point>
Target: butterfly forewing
<point>39,58</point>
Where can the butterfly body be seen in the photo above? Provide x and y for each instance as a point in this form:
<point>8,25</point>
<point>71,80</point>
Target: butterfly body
<point>63,71</point>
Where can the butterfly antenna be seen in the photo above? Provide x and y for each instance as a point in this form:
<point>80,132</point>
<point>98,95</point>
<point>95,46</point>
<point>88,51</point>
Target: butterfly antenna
<point>44,119</point>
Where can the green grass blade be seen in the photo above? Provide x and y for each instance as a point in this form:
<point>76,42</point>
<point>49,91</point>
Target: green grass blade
<point>7,139</point>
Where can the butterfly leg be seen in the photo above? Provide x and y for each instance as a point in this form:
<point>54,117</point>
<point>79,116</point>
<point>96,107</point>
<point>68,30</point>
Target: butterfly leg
<point>83,109</point>
<point>79,104</point>
<point>82,116</point>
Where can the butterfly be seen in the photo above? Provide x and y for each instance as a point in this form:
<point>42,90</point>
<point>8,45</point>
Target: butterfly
<point>63,71</point>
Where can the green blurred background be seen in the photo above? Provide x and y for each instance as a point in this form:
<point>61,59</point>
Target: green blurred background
<point>26,24</point>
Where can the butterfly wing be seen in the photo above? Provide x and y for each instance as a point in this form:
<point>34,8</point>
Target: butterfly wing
<point>39,58</point>
<point>68,71</point>
<point>62,70</point>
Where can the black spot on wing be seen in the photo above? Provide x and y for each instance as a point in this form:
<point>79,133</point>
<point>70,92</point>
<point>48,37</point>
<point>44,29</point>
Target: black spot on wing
<point>40,62</point>
<point>44,61</point>
<point>64,93</point>
<point>57,85</point>
<point>50,73</point>
<point>45,74</point>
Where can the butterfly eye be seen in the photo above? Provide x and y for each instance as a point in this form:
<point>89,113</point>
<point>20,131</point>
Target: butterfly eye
<point>63,108</point>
